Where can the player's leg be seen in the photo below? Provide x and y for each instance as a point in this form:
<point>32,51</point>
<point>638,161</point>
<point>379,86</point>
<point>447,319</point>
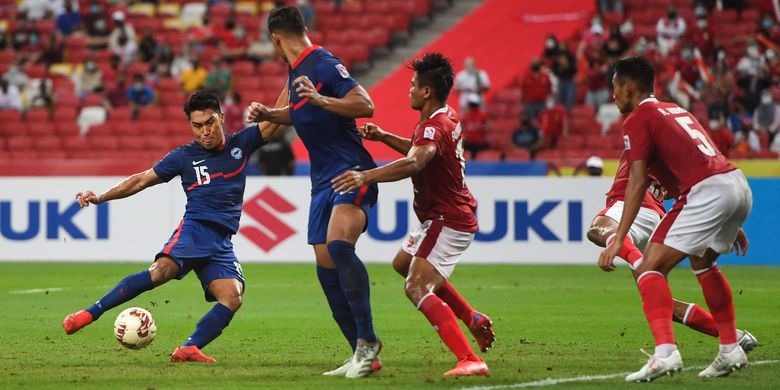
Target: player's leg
<point>347,222</point>
<point>602,231</point>
<point>479,324</point>
<point>161,271</point>
<point>328,276</point>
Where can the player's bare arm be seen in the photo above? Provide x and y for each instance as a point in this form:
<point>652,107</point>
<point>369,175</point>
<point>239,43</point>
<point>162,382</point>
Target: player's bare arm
<point>635,191</point>
<point>355,104</point>
<point>741,243</point>
<point>373,132</point>
<point>127,187</point>
<point>268,128</point>
<point>414,162</point>
<point>279,115</point>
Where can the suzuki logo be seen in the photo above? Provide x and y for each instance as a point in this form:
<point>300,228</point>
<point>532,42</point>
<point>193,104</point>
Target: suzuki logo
<point>54,221</point>
<point>263,208</point>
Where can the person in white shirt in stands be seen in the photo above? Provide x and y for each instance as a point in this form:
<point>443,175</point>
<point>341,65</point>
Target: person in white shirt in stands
<point>10,99</point>
<point>669,29</point>
<point>471,82</point>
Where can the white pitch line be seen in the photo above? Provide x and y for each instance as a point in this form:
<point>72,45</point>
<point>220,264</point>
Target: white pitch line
<point>588,378</point>
<point>37,290</point>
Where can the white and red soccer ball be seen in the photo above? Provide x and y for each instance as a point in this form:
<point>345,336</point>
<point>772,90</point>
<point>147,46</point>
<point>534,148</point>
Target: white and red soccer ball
<point>135,328</point>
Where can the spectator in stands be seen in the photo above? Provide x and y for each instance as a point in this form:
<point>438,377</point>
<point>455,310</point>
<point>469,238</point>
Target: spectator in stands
<point>117,95</point>
<point>90,79</point>
<point>670,29</point>
<point>702,37</point>
<point>40,94</point>
<point>69,20</point>
<point>766,117</point>
<point>276,156</point>
<point>121,31</point>
<point>309,16</point>
<point>564,68</point>
<point>738,116</point>
<point>183,61</point>
<point>40,9</point>
<point>234,112</point>
<point>6,42</point>
<point>220,79</point>
<point>232,40</point>
<point>260,49</point>
<point>96,26</point>
<point>554,122</point>
<point>10,98</point>
<point>753,76</point>
<point>773,64</point>
<point>52,51</point>
<point>139,94</point>
<point>607,115</point>
<point>768,29</point>
<point>551,49</point>
<point>611,6</point>
<point>594,166</point>
<point>474,125</point>
<point>747,141</point>
<point>528,136</point>
<point>616,45</point>
<point>471,81</point>
<point>148,47</point>
<point>721,135</point>
<point>16,77</point>
<point>716,93</point>
<point>598,92</point>
<point>125,49</point>
<point>536,86</point>
<point>192,79</point>
<point>25,35</point>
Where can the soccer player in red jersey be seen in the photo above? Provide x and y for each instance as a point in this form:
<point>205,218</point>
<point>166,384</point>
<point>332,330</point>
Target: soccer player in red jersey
<point>602,233</point>
<point>444,205</point>
<point>712,202</point>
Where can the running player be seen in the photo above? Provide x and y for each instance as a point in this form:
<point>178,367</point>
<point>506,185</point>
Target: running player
<point>323,104</point>
<point>213,178</point>
<point>446,209</point>
<point>713,200</point>
<point>602,232</point>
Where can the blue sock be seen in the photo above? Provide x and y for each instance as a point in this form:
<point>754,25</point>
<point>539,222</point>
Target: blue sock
<point>210,326</point>
<point>129,288</point>
<point>354,281</point>
<point>329,280</point>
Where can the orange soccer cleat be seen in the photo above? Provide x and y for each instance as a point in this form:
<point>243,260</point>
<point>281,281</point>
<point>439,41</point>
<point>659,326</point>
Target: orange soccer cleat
<point>73,322</point>
<point>482,330</point>
<point>190,353</point>
<point>469,367</point>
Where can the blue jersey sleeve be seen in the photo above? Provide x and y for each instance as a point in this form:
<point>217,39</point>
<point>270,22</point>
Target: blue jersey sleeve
<point>170,166</point>
<point>334,76</point>
<point>250,138</point>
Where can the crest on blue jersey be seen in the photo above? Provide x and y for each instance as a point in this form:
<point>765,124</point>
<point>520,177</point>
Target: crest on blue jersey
<point>236,153</point>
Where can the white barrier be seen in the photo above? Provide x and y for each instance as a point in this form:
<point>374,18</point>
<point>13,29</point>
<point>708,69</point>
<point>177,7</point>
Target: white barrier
<point>522,220</point>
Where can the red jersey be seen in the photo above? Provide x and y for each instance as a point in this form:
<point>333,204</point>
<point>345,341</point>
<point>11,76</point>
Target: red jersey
<point>552,121</point>
<point>676,147</point>
<point>618,190</point>
<point>474,124</point>
<point>440,191</point>
<point>536,87</point>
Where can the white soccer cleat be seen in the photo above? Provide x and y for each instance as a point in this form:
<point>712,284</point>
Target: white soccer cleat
<point>657,367</point>
<point>725,363</point>
<point>341,370</point>
<point>746,340</point>
<point>363,361</point>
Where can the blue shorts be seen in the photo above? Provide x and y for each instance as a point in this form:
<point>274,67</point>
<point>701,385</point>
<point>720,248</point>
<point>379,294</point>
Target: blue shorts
<point>323,201</point>
<point>203,247</point>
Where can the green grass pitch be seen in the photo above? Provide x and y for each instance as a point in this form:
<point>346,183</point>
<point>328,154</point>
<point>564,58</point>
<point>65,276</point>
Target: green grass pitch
<point>551,321</point>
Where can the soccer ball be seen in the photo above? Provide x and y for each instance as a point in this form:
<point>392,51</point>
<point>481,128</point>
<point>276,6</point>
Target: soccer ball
<point>135,328</point>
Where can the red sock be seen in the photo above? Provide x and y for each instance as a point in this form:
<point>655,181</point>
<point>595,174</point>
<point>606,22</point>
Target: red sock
<point>444,322</point>
<point>629,252</point>
<point>700,320</point>
<point>658,305</point>
<point>456,302</point>
<point>717,293</point>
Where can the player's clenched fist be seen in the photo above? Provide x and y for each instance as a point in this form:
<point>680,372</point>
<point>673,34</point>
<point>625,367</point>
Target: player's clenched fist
<point>371,132</point>
<point>87,197</point>
<point>257,112</point>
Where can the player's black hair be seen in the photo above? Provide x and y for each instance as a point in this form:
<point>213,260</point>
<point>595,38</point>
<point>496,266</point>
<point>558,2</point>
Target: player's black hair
<point>286,20</point>
<point>202,100</point>
<point>434,70</point>
<point>639,69</point>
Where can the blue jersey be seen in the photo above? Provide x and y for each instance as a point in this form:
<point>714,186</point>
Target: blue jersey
<point>332,140</point>
<point>214,181</point>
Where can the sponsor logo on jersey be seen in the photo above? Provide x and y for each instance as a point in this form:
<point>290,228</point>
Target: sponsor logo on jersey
<point>342,71</point>
<point>429,132</point>
<point>236,153</point>
<point>265,208</point>
<point>627,142</point>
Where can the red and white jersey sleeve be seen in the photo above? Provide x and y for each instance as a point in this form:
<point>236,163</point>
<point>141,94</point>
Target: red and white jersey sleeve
<point>678,151</point>
<point>440,191</point>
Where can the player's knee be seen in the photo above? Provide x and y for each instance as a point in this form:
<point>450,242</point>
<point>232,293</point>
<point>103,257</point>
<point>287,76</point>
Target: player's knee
<point>232,302</point>
<point>596,235</point>
<point>163,270</point>
<point>414,291</point>
<point>401,266</point>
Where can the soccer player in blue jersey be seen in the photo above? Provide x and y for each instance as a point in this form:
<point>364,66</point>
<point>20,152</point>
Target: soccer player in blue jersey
<point>213,178</point>
<point>323,104</point>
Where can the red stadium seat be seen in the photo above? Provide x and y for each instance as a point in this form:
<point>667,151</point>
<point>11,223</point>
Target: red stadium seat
<point>169,84</point>
<point>573,141</point>
<point>7,56</point>
<point>489,155</point>
<point>10,116</point>
<point>120,114</point>
<point>131,143</point>
<point>75,143</point>
<point>65,114</point>
<point>103,129</point>
<point>41,128</point>
<point>150,113</point>
<point>104,143</point>
<point>125,128</point>
<point>66,129</point>
<point>48,143</point>
<point>28,154</point>
<point>243,68</point>
<point>518,155</point>
<point>19,143</point>
<point>93,99</point>
<point>37,115</point>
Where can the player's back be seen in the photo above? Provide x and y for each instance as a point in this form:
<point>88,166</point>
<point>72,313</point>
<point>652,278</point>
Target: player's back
<point>678,150</point>
<point>332,141</point>
<point>440,189</point>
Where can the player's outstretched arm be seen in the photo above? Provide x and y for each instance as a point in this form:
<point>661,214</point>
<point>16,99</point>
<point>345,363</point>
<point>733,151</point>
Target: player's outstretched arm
<point>268,128</point>
<point>279,115</point>
<point>355,104</point>
<point>373,132</point>
<point>635,191</point>
<point>130,186</point>
<point>414,162</point>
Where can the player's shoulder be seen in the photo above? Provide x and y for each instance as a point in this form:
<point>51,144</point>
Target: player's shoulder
<point>443,118</point>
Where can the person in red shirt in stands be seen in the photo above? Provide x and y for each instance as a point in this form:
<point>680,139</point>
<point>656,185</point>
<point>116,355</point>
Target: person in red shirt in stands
<point>474,128</point>
<point>722,136</point>
<point>554,122</point>
<point>536,86</point>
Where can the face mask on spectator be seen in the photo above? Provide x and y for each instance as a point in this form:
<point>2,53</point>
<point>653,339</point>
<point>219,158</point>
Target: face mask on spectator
<point>549,104</point>
<point>626,28</point>
<point>138,86</point>
<point>34,39</point>
<point>550,44</point>
<point>767,23</point>
<point>239,33</point>
<point>770,54</point>
<point>94,8</point>
<point>686,54</point>
<point>702,23</point>
<point>90,66</point>
<point>721,55</point>
<point>700,11</point>
<point>766,99</point>
<point>714,124</point>
<point>753,52</point>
